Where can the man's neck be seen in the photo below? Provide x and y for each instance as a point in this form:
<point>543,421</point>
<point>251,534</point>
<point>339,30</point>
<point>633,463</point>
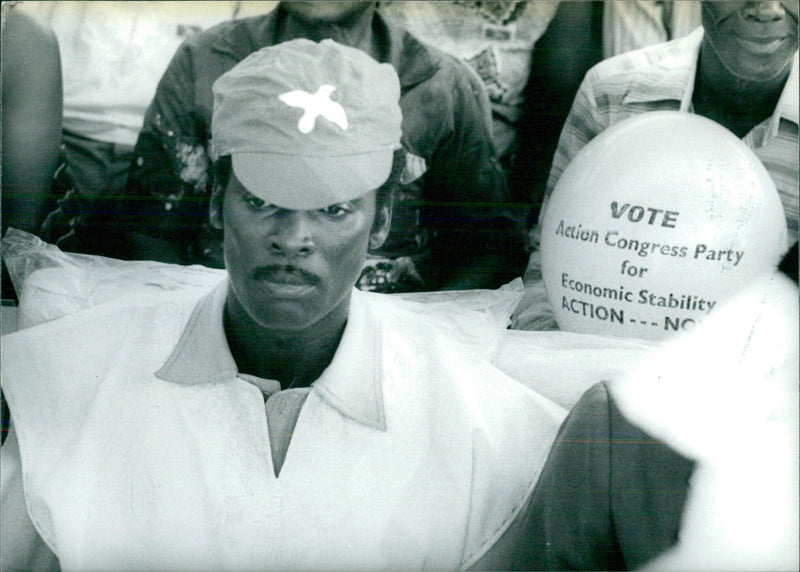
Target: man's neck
<point>738,104</point>
<point>355,32</point>
<point>295,358</point>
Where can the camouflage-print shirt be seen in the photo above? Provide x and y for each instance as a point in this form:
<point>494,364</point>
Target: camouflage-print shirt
<point>453,205</point>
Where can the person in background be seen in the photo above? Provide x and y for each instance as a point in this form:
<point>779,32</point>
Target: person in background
<point>31,117</point>
<point>113,54</point>
<point>31,123</point>
<point>283,419</point>
<point>496,39</point>
<point>451,227</point>
<point>633,24</point>
<point>740,69</point>
<point>580,35</point>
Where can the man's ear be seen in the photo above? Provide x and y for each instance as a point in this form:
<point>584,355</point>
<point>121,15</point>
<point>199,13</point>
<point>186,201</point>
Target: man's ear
<point>383,221</point>
<point>215,207</point>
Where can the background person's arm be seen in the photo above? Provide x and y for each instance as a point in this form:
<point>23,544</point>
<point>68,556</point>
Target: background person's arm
<point>166,201</point>
<point>31,115</point>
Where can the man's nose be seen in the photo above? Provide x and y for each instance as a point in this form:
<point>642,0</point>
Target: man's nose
<point>764,11</point>
<point>291,234</point>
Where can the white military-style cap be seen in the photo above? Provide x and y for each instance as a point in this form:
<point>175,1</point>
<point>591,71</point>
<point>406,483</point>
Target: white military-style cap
<point>308,124</point>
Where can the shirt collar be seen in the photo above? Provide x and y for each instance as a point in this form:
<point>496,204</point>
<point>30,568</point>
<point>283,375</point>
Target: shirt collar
<point>351,384</point>
<point>790,99</point>
<point>413,61</point>
<point>674,74</point>
<point>202,354</point>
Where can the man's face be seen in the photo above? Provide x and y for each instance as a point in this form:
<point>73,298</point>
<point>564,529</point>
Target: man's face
<point>288,269</point>
<point>755,41</point>
<point>325,11</point>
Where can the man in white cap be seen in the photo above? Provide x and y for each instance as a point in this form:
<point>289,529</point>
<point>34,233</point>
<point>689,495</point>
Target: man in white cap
<point>284,420</point>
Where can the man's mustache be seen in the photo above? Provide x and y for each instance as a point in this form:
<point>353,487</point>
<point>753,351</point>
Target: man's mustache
<point>286,273</point>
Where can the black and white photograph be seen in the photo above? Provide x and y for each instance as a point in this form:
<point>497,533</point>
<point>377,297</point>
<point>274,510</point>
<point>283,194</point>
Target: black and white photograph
<point>399,285</point>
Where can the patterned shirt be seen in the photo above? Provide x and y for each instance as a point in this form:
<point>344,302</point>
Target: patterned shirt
<point>496,39</point>
<point>662,77</point>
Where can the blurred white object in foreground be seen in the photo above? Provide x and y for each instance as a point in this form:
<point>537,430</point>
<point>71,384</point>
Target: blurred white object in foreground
<point>726,395</point>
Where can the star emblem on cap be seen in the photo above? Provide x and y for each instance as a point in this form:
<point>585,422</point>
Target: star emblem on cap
<point>315,105</point>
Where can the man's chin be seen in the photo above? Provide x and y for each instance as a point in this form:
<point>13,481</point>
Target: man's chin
<point>756,71</point>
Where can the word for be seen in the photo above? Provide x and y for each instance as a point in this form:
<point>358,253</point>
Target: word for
<point>636,214</point>
<point>631,270</point>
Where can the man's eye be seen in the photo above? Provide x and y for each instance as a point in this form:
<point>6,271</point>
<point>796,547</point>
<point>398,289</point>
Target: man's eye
<point>337,210</point>
<point>257,204</point>
<point>254,201</point>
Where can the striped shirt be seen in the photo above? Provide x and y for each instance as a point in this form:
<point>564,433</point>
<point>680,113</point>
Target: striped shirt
<point>662,77</point>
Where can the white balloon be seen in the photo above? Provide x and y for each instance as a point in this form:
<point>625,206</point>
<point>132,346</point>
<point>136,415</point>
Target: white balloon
<point>654,223</point>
